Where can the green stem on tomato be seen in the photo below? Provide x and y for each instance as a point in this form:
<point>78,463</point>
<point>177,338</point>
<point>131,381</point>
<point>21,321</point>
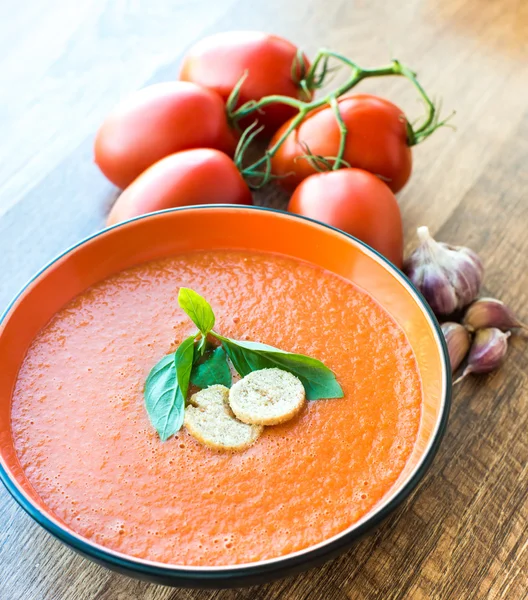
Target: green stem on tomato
<point>314,80</point>
<point>395,68</point>
<point>303,109</point>
<point>343,133</point>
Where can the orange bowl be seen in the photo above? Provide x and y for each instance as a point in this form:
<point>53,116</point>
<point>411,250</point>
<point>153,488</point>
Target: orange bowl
<point>171,232</point>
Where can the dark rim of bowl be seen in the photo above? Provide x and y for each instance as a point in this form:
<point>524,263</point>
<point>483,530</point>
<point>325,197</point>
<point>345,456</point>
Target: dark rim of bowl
<point>282,563</point>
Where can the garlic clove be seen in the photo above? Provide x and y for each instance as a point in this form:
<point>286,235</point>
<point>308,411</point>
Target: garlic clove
<point>487,351</point>
<point>490,312</point>
<point>448,276</point>
<point>458,341</point>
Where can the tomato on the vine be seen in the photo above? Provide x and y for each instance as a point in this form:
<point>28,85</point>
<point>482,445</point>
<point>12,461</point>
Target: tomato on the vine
<point>200,176</point>
<point>157,121</point>
<point>219,61</point>
<point>376,141</point>
<point>356,202</point>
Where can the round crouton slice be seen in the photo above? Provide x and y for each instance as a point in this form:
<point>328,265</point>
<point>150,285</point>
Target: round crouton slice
<point>267,397</point>
<point>209,420</point>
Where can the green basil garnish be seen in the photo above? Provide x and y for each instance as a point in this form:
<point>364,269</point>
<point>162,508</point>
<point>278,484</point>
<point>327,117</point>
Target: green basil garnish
<point>168,383</point>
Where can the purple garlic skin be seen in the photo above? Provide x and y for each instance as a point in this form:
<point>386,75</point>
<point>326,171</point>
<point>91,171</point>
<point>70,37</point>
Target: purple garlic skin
<point>489,312</point>
<point>458,341</point>
<point>449,277</point>
<point>487,351</point>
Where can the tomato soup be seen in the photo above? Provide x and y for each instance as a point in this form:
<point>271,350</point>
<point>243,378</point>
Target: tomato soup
<point>85,442</point>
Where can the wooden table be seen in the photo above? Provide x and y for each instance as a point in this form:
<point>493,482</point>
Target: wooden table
<point>463,534</point>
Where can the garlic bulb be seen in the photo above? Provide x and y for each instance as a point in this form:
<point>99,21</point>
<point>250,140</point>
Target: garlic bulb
<point>449,277</point>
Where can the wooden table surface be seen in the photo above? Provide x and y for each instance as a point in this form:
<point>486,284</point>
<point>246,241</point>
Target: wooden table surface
<point>463,534</point>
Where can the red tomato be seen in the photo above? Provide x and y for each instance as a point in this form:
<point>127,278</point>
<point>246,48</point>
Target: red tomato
<point>157,121</point>
<point>358,203</point>
<point>219,61</point>
<point>200,176</point>
<point>376,141</point>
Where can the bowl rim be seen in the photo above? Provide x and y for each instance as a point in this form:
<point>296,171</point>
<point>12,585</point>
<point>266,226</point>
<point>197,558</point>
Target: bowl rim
<point>325,549</point>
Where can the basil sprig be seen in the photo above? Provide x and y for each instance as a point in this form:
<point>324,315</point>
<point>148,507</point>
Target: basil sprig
<point>193,362</point>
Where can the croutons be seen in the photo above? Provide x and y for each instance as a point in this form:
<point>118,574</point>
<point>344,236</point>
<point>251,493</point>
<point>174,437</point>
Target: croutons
<point>209,420</point>
<point>267,397</point>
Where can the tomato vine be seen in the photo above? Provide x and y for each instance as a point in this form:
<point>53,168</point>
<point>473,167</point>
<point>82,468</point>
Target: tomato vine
<point>259,172</point>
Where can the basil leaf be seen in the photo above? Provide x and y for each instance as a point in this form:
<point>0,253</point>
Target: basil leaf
<point>198,309</point>
<point>184,363</point>
<point>319,381</point>
<point>214,370</point>
<point>163,398</point>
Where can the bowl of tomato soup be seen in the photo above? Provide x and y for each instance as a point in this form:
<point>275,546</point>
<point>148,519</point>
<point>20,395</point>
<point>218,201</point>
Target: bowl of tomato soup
<point>77,450</point>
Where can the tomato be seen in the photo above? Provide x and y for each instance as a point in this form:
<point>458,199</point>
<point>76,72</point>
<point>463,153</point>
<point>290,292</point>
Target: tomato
<point>200,176</point>
<point>376,141</point>
<point>157,121</point>
<point>219,61</point>
<point>357,202</point>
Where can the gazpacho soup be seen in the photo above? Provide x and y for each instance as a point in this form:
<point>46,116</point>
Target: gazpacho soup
<point>89,446</point>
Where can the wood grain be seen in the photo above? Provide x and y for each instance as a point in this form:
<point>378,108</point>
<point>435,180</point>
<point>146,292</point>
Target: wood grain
<point>64,65</point>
